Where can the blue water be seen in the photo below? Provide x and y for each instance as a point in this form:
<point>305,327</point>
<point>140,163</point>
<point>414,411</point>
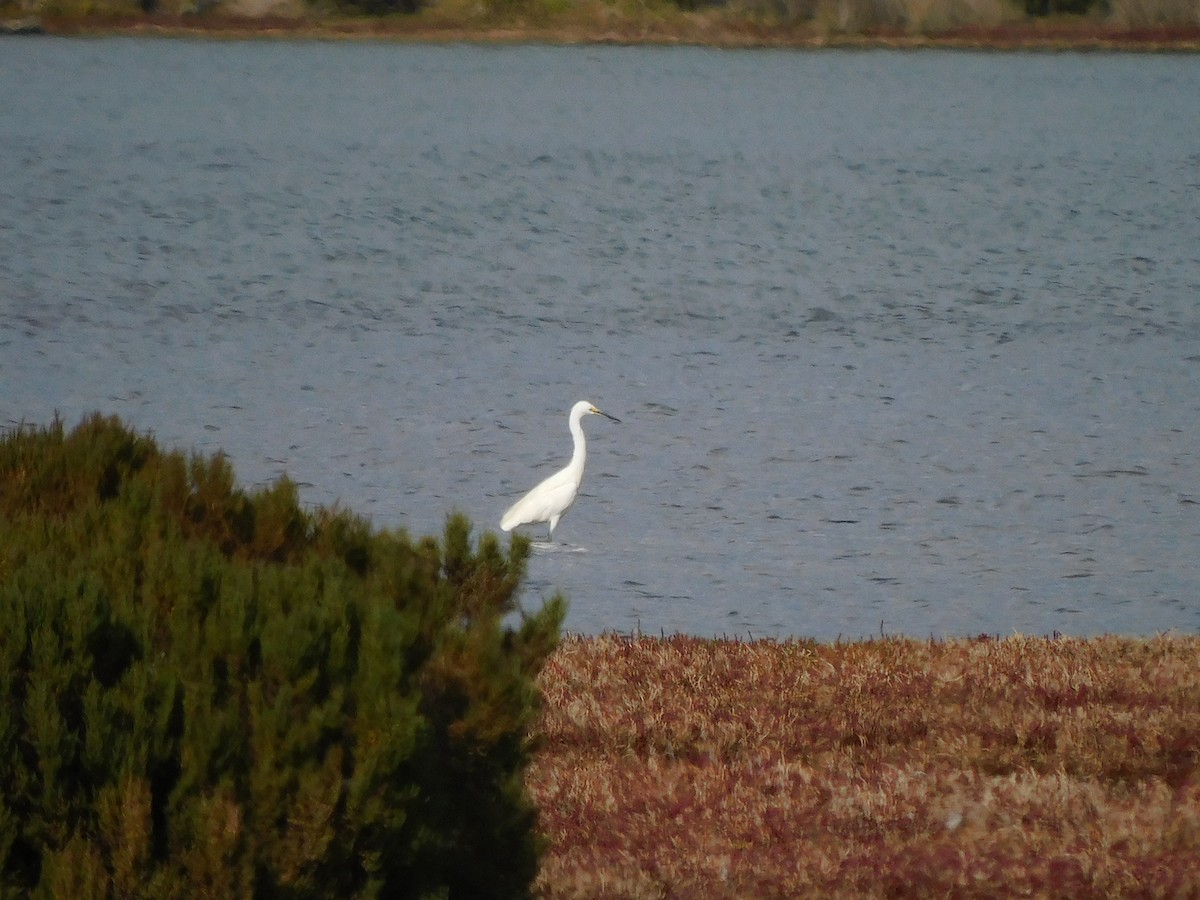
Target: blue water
<point>901,342</point>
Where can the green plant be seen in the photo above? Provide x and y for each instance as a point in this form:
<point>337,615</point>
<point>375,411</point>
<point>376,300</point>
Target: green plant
<point>380,7</point>
<point>1058,7</point>
<point>218,693</point>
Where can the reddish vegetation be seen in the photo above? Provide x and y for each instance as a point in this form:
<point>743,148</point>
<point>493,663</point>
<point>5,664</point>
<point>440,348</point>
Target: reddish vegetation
<point>694,768</point>
<point>1076,33</point>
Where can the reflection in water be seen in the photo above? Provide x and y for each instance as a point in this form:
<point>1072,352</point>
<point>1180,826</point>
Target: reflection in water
<point>902,342</point>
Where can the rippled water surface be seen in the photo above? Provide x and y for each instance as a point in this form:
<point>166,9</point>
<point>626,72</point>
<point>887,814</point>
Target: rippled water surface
<point>900,341</point>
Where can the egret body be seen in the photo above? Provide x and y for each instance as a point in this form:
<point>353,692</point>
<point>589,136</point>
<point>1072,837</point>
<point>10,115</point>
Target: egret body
<point>549,500</point>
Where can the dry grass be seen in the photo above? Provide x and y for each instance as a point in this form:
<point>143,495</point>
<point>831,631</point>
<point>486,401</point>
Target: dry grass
<point>1044,767</point>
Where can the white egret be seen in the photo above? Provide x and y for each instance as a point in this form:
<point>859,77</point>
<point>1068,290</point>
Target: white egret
<point>549,500</point>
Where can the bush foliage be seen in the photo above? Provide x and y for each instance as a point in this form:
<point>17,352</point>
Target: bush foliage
<point>218,693</point>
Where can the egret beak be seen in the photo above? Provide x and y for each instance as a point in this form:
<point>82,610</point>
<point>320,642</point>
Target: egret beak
<point>601,412</point>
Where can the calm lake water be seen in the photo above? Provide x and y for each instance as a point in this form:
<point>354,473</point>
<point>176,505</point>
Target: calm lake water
<point>901,342</point>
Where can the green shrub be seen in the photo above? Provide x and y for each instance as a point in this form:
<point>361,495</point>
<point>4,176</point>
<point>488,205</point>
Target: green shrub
<point>379,7</point>
<point>217,693</point>
<point>1058,7</point>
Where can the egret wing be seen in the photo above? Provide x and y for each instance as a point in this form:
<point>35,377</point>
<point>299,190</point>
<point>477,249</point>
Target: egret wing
<point>550,498</point>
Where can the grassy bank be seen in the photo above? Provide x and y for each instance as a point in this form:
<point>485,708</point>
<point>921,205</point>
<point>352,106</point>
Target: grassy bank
<point>1044,767</point>
<point>993,24</point>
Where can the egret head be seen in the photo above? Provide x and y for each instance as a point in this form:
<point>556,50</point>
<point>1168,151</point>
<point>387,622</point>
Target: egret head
<point>584,408</point>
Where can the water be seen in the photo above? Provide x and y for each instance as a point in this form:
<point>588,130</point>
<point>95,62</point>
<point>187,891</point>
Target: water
<point>901,342</point>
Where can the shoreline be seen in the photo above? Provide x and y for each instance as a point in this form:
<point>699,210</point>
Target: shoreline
<point>1057,35</point>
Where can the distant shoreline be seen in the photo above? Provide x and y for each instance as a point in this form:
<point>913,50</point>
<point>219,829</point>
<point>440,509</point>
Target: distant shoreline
<point>1056,35</point>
